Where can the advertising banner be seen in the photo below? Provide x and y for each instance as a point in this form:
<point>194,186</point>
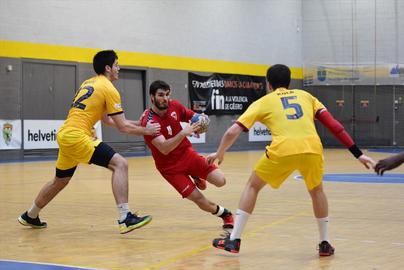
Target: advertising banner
<point>386,74</point>
<point>10,134</point>
<point>259,133</point>
<point>220,94</point>
<point>41,134</point>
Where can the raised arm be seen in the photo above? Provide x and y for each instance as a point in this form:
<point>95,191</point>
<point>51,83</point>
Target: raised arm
<point>338,130</point>
<point>229,137</point>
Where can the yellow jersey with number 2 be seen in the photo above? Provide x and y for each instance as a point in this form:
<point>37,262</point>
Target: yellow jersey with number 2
<point>289,115</point>
<point>95,97</point>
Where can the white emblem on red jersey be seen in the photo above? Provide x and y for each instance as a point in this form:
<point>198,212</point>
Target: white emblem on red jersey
<point>174,115</point>
<point>169,130</point>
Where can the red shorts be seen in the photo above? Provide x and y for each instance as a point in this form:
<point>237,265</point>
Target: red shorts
<point>191,164</point>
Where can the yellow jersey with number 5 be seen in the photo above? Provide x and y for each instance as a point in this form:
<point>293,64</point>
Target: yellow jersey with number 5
<point>289,115</point>
<point>95,97</point>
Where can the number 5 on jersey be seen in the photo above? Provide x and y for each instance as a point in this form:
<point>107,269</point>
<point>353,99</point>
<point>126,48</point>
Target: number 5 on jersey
<point>296,106</point>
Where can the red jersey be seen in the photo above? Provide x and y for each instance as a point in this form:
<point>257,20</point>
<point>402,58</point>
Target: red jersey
<point>170,126</point>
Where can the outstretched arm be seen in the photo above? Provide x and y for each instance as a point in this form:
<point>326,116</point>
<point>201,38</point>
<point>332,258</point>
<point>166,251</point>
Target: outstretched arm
<point>124,125</point>
<point>389,163</point>
<point>340,133</point>
<point>229,137</point>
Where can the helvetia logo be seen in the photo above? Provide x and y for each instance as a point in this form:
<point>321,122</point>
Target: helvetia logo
<point>39,136</point>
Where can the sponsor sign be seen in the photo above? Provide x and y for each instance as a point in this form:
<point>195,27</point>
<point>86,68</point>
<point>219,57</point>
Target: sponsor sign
<point>259,133</point>
<point>41,134</point>
<point>338,74</point>
<point>11,134</point>
<point>220,94</point>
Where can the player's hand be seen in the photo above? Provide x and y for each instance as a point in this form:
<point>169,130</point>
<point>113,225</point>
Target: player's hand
<point>212,157</point>
<point>189,129</point>
<point>368,162</point>
<point>152,128</point>
<point>387,164</point>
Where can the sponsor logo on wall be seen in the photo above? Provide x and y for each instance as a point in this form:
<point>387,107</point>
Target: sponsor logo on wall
<point>259,133</point>
<point>41,134</point>
<point>11,134</point>
<point>220,94</point>
<point>355,75</point>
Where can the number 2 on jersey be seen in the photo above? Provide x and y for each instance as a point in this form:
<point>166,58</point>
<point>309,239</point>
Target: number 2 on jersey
<point>296,106</point>
<point>78,103</point>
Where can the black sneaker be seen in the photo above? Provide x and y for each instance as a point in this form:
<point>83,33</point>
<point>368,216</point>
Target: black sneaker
<point>132,221</point>
<point>232,246</point>
<point>325,249</point>
<point>35,223</point>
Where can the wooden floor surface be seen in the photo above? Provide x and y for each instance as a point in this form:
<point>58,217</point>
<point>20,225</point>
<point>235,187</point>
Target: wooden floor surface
<point>366,227</point>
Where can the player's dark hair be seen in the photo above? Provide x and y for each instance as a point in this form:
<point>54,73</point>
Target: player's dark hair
<point>102,59</point>
<point>154,86</point>
<point>278,76</point>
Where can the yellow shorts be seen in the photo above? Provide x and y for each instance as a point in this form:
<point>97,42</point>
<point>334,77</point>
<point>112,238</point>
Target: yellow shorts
<point>274,170</point>
<point>74,147</point>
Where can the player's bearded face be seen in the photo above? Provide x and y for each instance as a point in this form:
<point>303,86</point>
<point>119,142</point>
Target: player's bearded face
<point>161,99</point>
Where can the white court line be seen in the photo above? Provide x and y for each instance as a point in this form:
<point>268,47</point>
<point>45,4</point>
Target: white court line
<point>368,241</point>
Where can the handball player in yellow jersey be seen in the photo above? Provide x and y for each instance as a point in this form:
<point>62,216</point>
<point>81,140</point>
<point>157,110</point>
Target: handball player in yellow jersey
<point>289,114</point>
<point>97,99</point>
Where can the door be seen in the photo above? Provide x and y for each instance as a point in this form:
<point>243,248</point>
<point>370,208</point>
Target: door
<point>373,115</point>
<point>47,93</point>
<point>398,115</point>
<point>383,121</point>
<point>131,87</point>
<point>338,101</point>
<point>48,90</point>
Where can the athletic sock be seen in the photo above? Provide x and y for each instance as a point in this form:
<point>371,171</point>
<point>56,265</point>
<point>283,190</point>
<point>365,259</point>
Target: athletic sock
<point>219,211</point>
<point>123,210</point>
<point>33,212</point>
<point>323,228</point>
<point>239,224</point>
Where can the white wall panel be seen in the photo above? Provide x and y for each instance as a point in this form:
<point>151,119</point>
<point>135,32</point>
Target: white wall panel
<point>253,31</point>
<point>356,32</point>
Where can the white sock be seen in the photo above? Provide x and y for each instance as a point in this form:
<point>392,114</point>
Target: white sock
<point>239,224</point>
<point>323,228</point>
<point>123,210</point>
<point>220,210</point>
<point>33,212</point>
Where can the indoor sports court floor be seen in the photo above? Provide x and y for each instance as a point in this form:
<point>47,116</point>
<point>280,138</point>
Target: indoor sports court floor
<point>366,226</point>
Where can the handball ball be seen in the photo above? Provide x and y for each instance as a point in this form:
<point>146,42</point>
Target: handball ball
<point>203,120</point>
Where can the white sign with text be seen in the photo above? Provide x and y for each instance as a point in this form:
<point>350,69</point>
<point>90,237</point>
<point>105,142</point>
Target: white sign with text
<point>259,133</point>
<point>41,134</point>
